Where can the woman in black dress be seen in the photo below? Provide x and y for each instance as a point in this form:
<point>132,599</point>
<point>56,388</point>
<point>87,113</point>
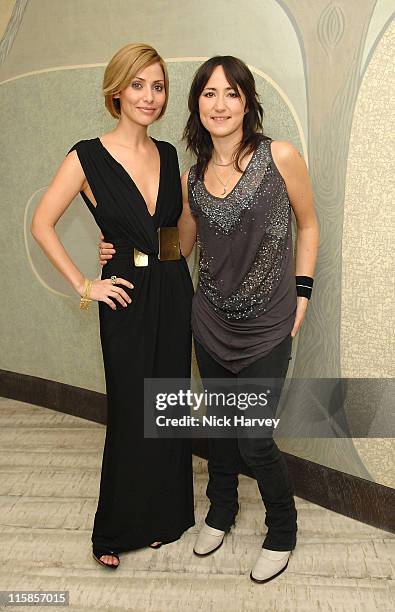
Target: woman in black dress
<point>131,184</point>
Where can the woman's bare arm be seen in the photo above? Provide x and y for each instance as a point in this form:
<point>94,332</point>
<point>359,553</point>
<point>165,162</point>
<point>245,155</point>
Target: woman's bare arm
<point>293,169</point>
<point>66,184</point>
<point>186,222</point>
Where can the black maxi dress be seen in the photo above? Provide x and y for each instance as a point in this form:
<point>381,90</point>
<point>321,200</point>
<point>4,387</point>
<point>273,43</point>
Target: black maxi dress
<point>146,488</point>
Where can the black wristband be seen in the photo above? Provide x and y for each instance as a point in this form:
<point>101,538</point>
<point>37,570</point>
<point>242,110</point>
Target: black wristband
<point>304,286</point>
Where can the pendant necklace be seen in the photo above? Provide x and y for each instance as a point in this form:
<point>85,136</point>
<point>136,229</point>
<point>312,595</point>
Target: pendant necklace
<point>224,185</point>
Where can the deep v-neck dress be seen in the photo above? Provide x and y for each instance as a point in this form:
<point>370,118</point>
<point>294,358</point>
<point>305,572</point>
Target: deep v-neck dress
<point>146,491</point>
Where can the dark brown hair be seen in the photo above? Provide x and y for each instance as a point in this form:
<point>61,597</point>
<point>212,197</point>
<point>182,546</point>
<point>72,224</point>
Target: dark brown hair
<point>198,139</point>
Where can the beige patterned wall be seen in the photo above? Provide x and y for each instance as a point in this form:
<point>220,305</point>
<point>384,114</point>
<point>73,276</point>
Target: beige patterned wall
<point>368,280</point>
<point>322,71</point>
<point>5,15</point>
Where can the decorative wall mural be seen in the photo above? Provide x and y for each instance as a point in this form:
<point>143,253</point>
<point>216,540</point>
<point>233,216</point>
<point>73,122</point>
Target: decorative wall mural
<point>383,14</point>
<point>11,18</point>
<point>330,27</point>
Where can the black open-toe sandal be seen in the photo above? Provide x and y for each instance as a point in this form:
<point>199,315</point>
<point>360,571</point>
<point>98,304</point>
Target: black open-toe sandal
<point>99,552</point>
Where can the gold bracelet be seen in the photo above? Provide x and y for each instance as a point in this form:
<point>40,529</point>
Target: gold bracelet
<point>85,299</point>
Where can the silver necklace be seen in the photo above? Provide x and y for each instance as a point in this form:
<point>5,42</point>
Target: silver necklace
<point>224,185</point>
<point>228,164</point>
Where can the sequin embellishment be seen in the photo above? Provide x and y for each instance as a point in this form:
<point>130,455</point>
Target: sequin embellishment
<point>256,212</point>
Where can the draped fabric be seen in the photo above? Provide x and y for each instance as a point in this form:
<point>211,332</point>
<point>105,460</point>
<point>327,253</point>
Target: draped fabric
<point>246,298</point>
<point>146,484</point>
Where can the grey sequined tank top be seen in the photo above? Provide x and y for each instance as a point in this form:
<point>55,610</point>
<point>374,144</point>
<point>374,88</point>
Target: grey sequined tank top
<point>245,302</point>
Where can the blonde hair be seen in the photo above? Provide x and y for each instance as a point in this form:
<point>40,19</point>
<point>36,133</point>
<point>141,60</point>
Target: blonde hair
<point>123,67</point>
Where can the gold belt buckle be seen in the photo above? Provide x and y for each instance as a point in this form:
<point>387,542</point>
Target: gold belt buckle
<point>169,247</point>
<point>169,244</point>
<point>140,259</point>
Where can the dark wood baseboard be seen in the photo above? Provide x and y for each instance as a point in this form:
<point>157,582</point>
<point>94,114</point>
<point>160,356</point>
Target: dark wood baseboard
<point>360,499</point>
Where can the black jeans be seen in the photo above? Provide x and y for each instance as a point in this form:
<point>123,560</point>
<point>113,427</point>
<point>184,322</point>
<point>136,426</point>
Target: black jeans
<point>261,455</point>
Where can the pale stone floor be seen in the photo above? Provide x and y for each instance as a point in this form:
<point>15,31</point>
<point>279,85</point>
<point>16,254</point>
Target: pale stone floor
<point>49,479</point>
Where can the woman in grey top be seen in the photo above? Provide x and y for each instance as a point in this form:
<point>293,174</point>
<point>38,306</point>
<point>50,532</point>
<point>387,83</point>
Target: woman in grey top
<point>246,298</point>
<point>237,202</point>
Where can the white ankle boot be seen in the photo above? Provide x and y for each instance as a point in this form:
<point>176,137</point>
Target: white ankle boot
<point>208,540</point>
<point>270,564</point>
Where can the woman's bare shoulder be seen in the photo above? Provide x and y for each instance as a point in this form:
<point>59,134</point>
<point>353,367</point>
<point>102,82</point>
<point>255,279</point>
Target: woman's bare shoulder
<point>284,152</point>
